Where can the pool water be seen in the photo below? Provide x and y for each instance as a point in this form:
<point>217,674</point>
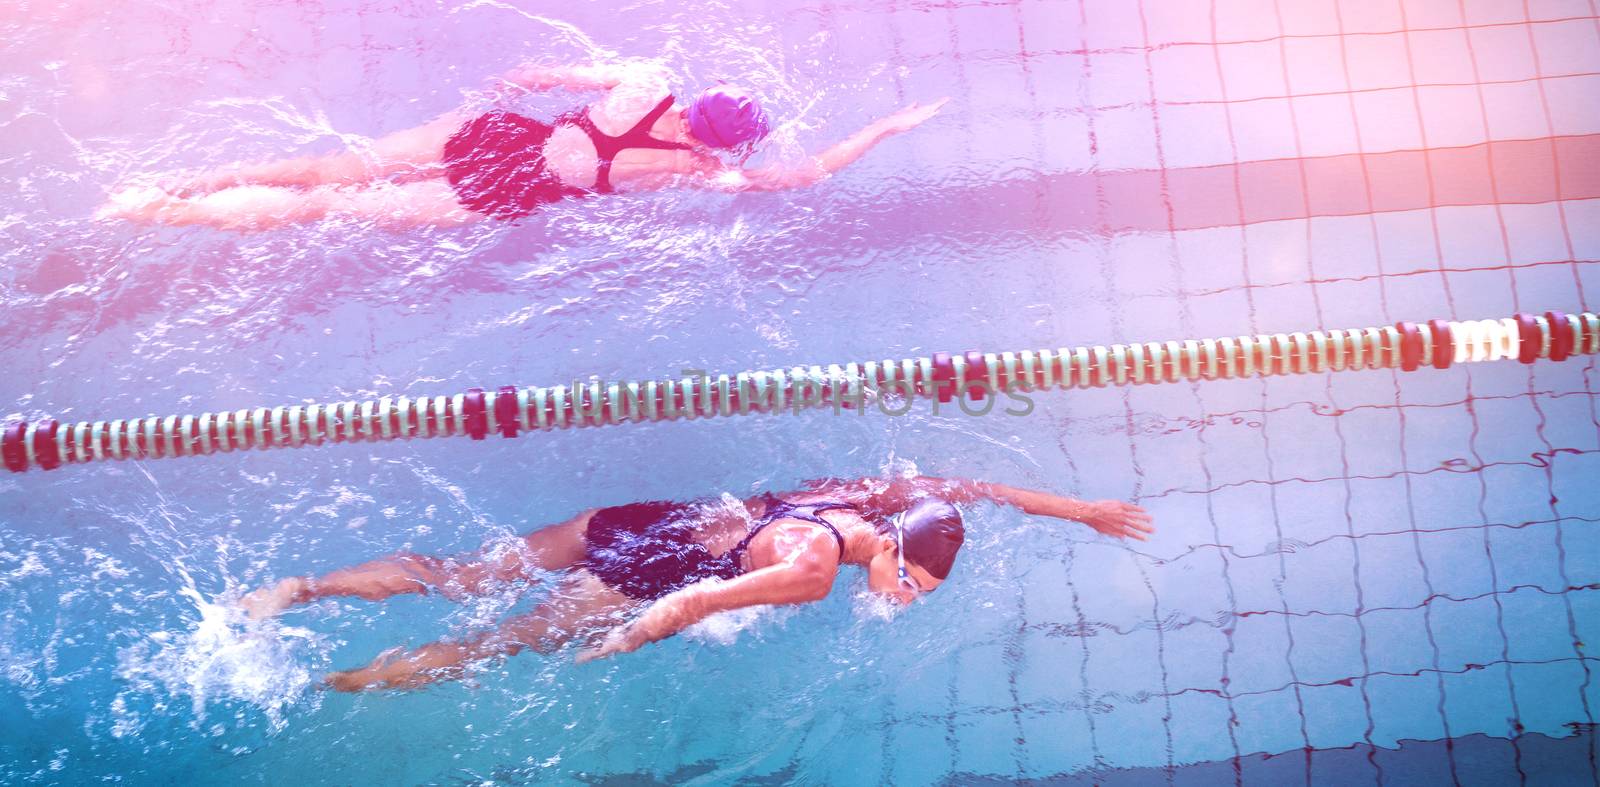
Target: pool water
<point>1369,577</point>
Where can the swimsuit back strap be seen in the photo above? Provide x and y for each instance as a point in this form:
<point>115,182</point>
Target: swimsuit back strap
<point>639,135</point>
<point>806,512</point>
<point>817,508</point>
<point>817,520</point>
<point>606,147</point>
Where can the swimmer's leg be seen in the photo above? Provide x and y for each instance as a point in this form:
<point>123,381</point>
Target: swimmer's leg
<point>582,604</point>
<point>254,208</point>
<point>412,154</point>
<point>554,548</point>
<point>557,547</point>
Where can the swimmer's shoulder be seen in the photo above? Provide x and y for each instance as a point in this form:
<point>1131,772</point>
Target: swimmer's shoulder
<point>624,104</point>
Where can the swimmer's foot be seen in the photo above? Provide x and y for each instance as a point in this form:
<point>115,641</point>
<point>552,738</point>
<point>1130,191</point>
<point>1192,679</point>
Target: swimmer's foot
<point>263,603</point>
<point>191,185</point>
<point>348,681</point>
<point>390,670</point>
<point>353,680</point>
<point>140,203</point>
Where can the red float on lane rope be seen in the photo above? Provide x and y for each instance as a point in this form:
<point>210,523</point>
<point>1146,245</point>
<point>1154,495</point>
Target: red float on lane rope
<point>505,411</point>
<point>944,376</point>
<point>477,414</point>
<point>1561,338</point>
<point>1410,346</point>
<point>1528,338</point>
<point>45,449</point>
<point>977,369</point>
<point>12,449</point>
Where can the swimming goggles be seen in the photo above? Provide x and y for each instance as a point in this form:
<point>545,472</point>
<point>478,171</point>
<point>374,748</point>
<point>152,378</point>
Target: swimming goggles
<point>907,582</point>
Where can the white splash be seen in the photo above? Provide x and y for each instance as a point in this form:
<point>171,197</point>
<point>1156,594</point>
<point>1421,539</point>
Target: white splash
<point>724,628</point>
<point>224,657</point>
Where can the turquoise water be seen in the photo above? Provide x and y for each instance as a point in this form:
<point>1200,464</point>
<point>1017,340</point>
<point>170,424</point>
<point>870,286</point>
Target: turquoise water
<point>1350,571</point>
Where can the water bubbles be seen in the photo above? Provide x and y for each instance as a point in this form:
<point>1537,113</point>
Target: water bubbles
<point>866,605</point>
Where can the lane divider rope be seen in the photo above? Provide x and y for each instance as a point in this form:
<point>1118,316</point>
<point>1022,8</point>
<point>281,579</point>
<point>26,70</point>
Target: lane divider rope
<point>509,410</point>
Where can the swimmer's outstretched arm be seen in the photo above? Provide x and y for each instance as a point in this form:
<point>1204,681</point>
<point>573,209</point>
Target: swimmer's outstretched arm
<point>1111,517</point>
<point>781,176</point>
<point>805,577</point>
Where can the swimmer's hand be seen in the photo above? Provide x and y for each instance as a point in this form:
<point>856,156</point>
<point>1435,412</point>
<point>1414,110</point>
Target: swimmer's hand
<point>910,117</point>
<point>617,641</point>
<point>1116,518</point>
<point>666,617</point>
<point>626,638</point>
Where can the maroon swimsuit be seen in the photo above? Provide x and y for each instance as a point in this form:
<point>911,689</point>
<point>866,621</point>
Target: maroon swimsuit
<point>647,550</point>
<point>495,162</point>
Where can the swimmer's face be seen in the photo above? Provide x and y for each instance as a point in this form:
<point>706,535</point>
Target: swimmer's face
<point>883,575</point>
<point>685,133</point>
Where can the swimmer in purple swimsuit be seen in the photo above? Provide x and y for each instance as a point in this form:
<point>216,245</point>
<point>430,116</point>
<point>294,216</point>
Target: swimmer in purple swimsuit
<point>464,167</point>
<point>641,572</point>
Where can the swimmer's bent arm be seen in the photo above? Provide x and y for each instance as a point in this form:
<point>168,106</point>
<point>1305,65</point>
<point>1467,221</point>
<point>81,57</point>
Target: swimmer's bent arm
<point>534,77</point>
<point>807,576</point>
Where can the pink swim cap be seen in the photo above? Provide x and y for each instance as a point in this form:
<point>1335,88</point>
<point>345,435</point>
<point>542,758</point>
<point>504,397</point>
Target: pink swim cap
<point>727,116</point>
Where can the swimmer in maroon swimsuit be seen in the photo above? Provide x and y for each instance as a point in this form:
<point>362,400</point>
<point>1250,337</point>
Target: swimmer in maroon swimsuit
<point>642,572</point>
<point>464,167</point>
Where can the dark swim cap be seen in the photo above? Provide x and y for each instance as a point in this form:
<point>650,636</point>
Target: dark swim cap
<point>933,535</point>
<point>727,116</point>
